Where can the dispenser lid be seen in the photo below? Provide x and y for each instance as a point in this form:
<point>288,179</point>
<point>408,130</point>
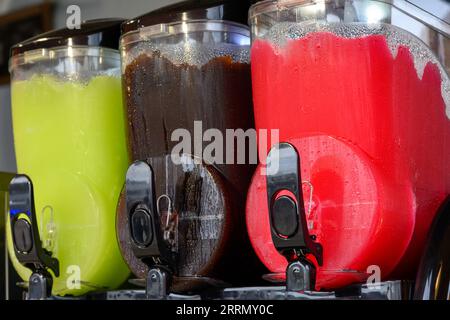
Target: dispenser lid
<point>229,10</point>
<point>96,33</point>
<point>426,12</point>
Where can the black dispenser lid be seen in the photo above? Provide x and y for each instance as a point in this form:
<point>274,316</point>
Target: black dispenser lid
<point>97,33</point>
<point>229,10</point>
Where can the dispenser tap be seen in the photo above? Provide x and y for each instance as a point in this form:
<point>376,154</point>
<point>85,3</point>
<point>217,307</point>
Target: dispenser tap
<point>287,217</point>
<point>27,243</point>
<point>147,236</point>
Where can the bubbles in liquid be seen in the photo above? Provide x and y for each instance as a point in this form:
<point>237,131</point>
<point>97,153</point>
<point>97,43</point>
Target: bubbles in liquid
<point>281,32</point>
<point>192,53</point>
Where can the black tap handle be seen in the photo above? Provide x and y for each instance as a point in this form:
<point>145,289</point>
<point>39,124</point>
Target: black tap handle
<point>24,228</point>
<point>147,240</point>
<point>287,212</point>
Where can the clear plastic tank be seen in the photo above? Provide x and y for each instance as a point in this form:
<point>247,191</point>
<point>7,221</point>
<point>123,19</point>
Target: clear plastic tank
<point>69,137</point>
<point>187,67</point>
<point>360,88</point>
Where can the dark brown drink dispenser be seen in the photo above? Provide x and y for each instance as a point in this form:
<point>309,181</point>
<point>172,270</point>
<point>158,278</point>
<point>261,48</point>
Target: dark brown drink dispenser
<point>186,66</point>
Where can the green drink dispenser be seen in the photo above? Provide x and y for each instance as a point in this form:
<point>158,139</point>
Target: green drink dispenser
<point>69,137</point>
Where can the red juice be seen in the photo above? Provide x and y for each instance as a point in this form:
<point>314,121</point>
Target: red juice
<point>373,136</point>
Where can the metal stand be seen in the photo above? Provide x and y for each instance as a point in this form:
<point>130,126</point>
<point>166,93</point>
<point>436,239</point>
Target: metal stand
<point>390,290</point>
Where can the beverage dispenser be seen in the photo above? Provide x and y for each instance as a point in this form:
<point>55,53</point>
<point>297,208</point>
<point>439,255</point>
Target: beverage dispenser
<point>360,95</point>
<point>186,71</point>
<point>69,137</point>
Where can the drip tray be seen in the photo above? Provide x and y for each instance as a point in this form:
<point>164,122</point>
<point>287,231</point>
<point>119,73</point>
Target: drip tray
<point>182,284</point>
<point>389,290</point>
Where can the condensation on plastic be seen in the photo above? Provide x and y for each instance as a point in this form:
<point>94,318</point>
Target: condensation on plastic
<point>197,43</point>
<point>281,32</point>
<point>79,64</point>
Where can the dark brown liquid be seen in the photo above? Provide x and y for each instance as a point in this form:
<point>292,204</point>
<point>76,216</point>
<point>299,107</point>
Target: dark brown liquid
<point>161,97</point>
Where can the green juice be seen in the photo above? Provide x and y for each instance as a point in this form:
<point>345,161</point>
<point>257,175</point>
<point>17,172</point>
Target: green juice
<point>70,140</point>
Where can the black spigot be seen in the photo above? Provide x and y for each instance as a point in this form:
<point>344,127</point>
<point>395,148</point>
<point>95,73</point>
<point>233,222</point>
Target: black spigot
<point>27,243</point>
<point>147,239</point>
<point>287,217</point>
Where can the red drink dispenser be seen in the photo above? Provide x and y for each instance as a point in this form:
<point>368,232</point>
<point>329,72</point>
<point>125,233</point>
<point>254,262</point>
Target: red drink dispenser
<point>365,102</point>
